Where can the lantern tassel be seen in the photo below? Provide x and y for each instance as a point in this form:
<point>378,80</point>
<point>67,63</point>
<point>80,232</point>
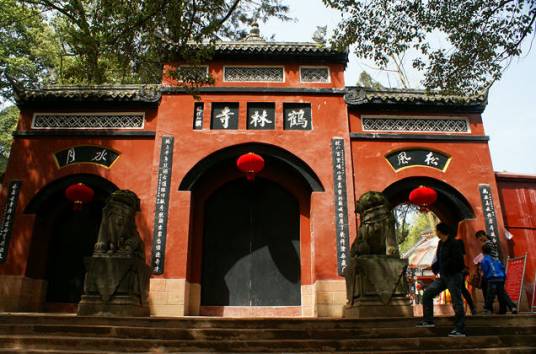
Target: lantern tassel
<point>77,205</point>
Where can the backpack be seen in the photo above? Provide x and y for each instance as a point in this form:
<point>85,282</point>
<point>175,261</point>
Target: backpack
<point>495,270</point>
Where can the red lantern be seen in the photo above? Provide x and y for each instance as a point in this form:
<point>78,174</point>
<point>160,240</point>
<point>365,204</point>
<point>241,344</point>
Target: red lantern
<point>423,196</point>
<point>250,164</point>
<point>79,194</point>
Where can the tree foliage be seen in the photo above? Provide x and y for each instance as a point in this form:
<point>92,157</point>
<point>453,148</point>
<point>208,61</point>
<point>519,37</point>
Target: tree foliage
<point>481,36</point>
<point>366,80</point>
<point>419,225</point>
<point>8,122</point>
<point>27,47</point>
<point>113,41</point>
<point>411,224</point>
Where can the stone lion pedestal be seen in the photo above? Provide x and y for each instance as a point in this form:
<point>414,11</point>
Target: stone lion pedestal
<point>377,287</point>
<point>115,286</point>
<point>117,278</point>
<point>376,284</point>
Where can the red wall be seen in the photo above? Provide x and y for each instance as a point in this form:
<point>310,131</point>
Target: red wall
<point>32,162</point>
<point>366,169</point>
<point>329,119</point>
<point>313,147</point>
<point>469,166</point>
<point>137,167</point>
<point>518,199</point>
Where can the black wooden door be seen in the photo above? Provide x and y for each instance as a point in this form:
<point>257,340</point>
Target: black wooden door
<point>251,253</point>
<point>73,235</point>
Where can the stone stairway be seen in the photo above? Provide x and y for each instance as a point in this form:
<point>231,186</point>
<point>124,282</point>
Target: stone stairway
<point>45,333</point>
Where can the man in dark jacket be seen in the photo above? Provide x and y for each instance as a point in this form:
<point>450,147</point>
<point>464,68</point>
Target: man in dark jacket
<point>450,266</point>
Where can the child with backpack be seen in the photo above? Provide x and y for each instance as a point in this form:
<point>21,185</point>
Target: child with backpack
<point>495,275</point>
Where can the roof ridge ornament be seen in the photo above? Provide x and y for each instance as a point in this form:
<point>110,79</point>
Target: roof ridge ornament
<point>254,34</point>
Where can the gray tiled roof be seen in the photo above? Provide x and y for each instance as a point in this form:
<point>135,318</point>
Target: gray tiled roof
<point>277,50</point>
<point>94,93</point>
<point>255,46</point>
<point>275,47</point>
<point>357,96</point>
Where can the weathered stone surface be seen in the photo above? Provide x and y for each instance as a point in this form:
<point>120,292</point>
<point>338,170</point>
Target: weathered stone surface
<point>377,287</point>
<point>377,228</point>
<point>117,278</point>
<point>376,284</point>
<point>370,307</point>
<point>38,333</point>
<point>378,276</point>
<point>115,286</point>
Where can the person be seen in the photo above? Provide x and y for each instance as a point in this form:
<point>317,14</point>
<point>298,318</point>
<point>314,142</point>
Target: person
<point>494,253</point>
<point>465,293</point>
<point>450,266</point>
<point>485,240</point>
<point>495,275</point>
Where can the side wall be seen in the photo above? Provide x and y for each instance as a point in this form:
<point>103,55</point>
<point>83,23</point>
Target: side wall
<point>518,199</point>
<point>32,162</point>
<point>469,165</point>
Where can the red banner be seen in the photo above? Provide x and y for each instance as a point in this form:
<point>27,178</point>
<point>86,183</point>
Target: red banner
<point>515,270</point>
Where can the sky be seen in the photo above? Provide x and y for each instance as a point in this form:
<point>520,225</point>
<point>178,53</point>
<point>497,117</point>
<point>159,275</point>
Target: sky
<point>509,119</point>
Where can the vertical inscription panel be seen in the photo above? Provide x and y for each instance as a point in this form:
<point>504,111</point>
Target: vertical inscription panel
<point>162,205</point>
<point>6,227</point>
<point>199,110</point>
<point>488,209</point>
<point>341,204</point>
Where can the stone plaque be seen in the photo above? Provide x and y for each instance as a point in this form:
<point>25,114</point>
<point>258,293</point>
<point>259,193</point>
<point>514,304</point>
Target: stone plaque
<point>224,116</point>
<point>6,227</point>
<point>198,115</point>
<point>297,116</point>
<point>418,157</point>
<point>161,205</point>
<point>98,155</point>
<point>341,204</point>
<point>490,218</point>
<point>261,116</point>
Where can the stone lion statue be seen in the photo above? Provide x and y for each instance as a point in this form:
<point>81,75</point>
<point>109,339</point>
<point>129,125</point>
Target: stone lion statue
<point>118,233</point>
<point>375,281</point>
<point>377,227</point>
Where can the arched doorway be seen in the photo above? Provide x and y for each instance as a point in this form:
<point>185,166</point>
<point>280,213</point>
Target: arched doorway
<point>249,243</point>
<point>251,250</point>
<point>419,243</point>
<point>63,237</point>
<point>451,206</point>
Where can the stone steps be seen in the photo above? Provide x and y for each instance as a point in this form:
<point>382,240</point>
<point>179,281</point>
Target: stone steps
<point>517,350</point>
<point>27,333</point>
<point>257,346</point>
<point>255,323</point>
<point>247,333</point>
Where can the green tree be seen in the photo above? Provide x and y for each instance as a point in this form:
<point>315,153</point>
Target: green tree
<point>415,224</point>
<point>366,80</point>
<point>404,214</point>
<point>28,51</point>
<point>8,122</point>
<point>481,36</point>
<point>114,41</point>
